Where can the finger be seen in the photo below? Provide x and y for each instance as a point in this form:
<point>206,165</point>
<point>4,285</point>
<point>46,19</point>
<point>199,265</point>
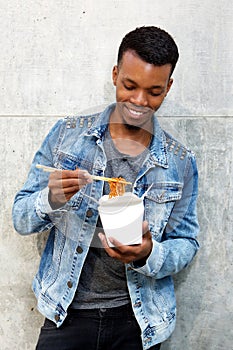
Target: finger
<point>125,254</point>
<point>64,186</point>
<point>71,174</point>
<point>111,251</point>
<point>83,174</point>
<point>103,240</point>
<point>63,173</point>
<point>145,227</point>
<point>116,243</point>
<point>60,194</point>
<point>67,184</point>
<point>74,182</point>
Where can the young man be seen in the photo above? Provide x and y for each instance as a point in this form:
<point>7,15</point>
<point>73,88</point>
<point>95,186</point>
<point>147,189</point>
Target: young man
<point>95,296</point>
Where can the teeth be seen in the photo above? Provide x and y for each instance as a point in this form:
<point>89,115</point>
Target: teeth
<point>135,112</point>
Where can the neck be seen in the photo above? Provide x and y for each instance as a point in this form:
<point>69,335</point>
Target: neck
<point>129,139</point>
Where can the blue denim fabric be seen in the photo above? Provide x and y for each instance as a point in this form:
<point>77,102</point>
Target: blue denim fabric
<point>170,209</point>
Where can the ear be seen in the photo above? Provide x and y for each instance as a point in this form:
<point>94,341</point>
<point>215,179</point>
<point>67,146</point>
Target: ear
<point>114,75</point>
<point>169,85</point>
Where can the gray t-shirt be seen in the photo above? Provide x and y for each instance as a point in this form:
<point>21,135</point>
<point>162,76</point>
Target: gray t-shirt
<point>102,282</point>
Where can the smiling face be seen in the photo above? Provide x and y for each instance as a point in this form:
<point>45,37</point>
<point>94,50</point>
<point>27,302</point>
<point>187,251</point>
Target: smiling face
<point>140,89</point>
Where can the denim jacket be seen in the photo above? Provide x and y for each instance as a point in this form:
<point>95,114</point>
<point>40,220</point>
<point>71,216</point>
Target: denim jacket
<point>170,209</point>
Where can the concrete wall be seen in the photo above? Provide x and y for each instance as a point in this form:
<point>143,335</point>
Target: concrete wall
<point>56,59</point>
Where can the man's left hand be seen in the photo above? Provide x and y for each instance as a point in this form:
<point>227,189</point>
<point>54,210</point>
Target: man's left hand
<point>129,253</point>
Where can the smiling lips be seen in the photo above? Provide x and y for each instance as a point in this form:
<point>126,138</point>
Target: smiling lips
<point>136,113</point>
<point>139,113</point>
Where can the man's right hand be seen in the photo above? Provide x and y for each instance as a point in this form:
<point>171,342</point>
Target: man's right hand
<point>63,184</point>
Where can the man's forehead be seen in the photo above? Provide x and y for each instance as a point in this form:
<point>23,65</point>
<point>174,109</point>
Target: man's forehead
<point>130,57</point>
<point>134,70</point>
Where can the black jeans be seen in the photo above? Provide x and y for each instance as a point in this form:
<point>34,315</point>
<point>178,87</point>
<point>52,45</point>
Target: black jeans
<point>99,329</point>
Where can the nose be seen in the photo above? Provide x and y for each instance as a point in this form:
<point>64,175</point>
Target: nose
<point>139,98</point>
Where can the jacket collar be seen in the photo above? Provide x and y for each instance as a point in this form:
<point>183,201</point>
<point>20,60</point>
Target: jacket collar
<point>158,148</point>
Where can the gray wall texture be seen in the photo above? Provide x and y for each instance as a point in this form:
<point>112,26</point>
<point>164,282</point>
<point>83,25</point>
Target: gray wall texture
<point>56,60</point>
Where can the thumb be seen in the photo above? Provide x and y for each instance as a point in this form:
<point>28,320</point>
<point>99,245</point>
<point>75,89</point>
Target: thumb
<point>145,227</point>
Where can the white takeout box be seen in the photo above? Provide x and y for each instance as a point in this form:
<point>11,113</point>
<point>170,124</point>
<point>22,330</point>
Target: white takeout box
<point>122,218</point>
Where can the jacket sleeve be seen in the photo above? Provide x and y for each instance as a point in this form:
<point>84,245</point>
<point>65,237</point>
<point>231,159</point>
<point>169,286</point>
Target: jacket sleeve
<point>28,212</point>
<point>179,244</point>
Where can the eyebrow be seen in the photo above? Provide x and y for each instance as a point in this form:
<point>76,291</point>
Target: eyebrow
<point>150,88</point>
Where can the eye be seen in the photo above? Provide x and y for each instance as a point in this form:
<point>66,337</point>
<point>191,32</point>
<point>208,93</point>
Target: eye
<point>154,94</point>
<point>128,87</point>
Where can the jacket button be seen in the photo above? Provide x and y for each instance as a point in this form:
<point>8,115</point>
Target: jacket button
<point>57,318</point>
<point>137,304</point>
<point>69,284</point>
<point>89,213</point>
<point>79,249</point>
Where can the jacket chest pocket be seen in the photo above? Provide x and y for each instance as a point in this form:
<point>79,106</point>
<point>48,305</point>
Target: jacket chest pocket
<point>159,203</point>
<point>68,161</point>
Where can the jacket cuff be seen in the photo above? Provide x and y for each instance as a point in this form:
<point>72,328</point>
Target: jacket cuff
<point>153,263</point>
<point>42,203</point>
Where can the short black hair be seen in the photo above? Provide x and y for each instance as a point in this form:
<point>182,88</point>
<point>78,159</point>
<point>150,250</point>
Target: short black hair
<point>152,44</point>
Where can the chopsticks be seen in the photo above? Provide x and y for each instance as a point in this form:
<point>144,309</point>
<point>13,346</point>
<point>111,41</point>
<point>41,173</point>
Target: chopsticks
<point>94,177</point>
<point>46,168</point>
